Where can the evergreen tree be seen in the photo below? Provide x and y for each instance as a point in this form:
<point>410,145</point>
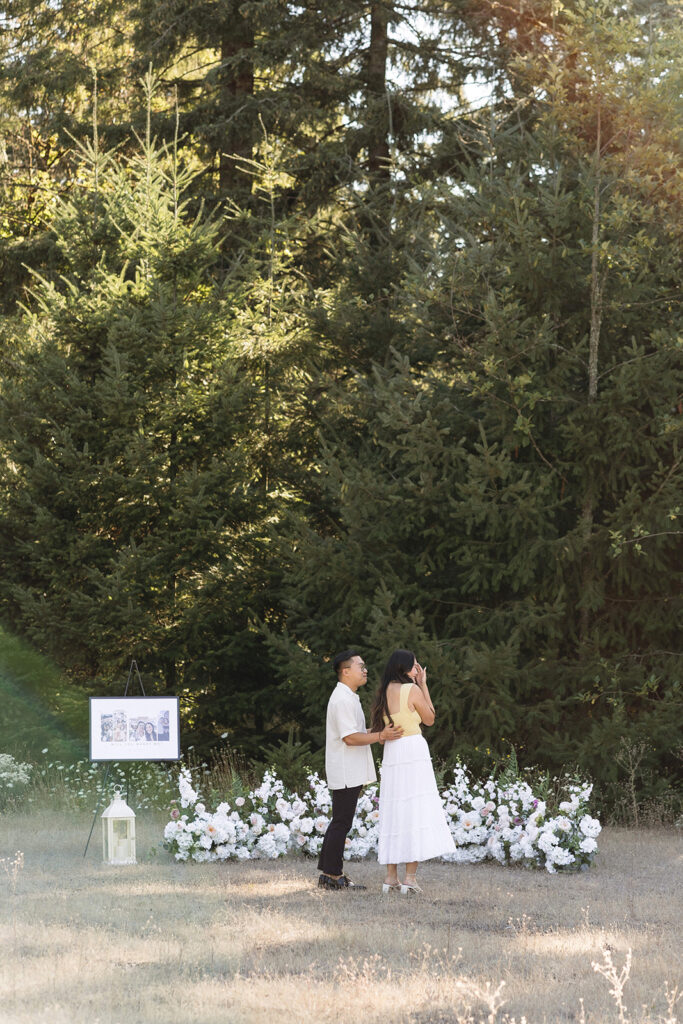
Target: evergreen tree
<point>130,500</point>
<point>49,54</point>
<point>482,479</point>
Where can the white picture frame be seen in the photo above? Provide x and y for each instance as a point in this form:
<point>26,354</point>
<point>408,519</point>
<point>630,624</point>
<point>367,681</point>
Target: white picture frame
<point>134,729</point>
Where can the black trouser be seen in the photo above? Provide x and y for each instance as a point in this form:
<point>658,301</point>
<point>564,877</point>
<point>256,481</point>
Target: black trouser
<point>331,859</point>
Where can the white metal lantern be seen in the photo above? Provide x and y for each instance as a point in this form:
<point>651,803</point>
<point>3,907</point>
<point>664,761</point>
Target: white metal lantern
<point>118,832</point>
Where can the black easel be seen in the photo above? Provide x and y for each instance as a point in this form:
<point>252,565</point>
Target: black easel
<point>133,668</point>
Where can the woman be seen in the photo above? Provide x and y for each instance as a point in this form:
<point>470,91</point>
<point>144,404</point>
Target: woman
<point>412,821</point>
<point>150,732</point>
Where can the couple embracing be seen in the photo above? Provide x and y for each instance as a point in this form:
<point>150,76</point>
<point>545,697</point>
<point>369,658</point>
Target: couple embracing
<point>412,822</point>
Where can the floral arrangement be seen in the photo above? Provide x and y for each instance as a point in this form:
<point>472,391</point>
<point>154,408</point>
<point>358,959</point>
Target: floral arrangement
<point>501,820</point>
<point>505,821</point>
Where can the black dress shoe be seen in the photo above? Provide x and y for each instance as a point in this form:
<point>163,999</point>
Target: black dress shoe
<point>348,884</point>
<point>327,882</point>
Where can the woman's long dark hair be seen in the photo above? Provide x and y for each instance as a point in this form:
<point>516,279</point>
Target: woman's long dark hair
<point>396,671</point>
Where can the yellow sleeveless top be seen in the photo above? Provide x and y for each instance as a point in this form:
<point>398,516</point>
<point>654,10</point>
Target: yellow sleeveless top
<point>407,719</point>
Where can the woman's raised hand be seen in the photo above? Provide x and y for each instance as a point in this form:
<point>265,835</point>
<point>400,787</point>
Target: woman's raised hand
<point>421,677</point>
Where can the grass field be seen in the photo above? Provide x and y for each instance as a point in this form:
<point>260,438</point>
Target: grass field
<point>84,943</point>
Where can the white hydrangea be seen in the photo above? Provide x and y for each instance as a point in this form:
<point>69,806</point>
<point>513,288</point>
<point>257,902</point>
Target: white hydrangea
<point>267,846</point>
<point>495,848</point>
<point>561,856</point>
<point>225,851</point>
<point>526,849</point>
<point>590,827</point>
<point>281,833</point>
<point>546,841</point>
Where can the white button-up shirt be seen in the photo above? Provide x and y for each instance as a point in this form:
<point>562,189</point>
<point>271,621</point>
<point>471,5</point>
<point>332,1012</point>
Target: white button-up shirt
<point>346,766</point>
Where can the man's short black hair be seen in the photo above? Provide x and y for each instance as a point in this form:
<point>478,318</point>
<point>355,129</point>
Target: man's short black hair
<point>344,656</point>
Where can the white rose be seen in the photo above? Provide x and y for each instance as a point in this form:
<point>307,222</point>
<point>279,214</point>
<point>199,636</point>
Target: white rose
<point>469,821</point>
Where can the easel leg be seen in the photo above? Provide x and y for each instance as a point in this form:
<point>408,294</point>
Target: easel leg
<point>99,802</point>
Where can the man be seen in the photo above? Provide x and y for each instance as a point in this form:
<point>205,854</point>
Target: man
<point>348,764</point>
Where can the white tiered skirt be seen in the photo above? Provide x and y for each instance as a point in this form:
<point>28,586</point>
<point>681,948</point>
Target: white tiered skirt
<point>412,821</point>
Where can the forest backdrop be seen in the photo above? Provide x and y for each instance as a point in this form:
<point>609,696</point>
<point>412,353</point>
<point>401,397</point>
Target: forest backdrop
<point>345,324</point>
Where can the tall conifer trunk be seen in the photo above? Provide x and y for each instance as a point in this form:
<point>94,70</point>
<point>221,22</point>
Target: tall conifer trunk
<point>378,146</point>
<point>597,288</point>
<point>236,89</point>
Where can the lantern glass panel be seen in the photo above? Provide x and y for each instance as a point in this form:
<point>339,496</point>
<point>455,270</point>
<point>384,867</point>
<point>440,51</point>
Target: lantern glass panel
<point>121,830</point>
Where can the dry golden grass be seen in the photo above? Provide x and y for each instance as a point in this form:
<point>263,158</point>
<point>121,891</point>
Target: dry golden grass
<point>83,943</point>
